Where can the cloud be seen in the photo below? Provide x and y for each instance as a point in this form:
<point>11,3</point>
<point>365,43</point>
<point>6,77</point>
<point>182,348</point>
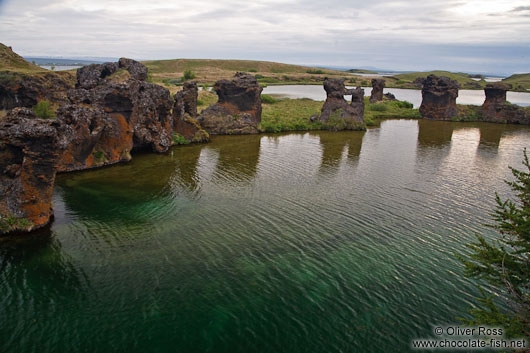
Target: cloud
<point>307,32</point>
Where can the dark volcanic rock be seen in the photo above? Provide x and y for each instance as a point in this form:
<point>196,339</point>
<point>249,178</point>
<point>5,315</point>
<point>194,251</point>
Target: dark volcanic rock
<point>185,121</point>
<point>137,70</point>
<point>336,107</point>
<point>378,84</point>
<point>92,75</point>
<point>389,97</point>
<point>28,152</point>
<point>496,109</point>
<point>238,110</point>
<point>108,118</point>
<point>26,90</point>
<point>439,98</point>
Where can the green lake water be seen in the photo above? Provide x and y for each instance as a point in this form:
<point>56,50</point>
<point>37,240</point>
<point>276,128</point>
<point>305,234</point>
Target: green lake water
<point>303,242</point>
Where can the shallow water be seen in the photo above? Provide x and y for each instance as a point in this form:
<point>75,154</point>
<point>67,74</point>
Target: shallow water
<point>465,96</point>
<point>310,242</point>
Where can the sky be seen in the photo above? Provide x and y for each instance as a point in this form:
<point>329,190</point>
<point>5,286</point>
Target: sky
<point>456,35</point>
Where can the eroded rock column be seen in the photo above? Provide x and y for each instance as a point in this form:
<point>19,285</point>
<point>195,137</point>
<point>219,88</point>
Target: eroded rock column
<point>378,84</point>
<point>439,98</point>
<point>336,113</point>
<point>28,154</point>
<point>238,110</point>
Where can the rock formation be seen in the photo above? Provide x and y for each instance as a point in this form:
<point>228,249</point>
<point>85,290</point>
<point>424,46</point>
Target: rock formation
<point>185,121</point>
<point>439,98</point>
<point>28,153</point>
<point>389,97</point>
<point>26,90</point>
<point>111,112</point>
<point>496,109</point>
<point>238,110</point>
<point>378,84</point>
<point>336,113</point>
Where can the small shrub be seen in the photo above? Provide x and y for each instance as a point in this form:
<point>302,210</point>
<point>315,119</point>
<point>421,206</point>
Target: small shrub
<point>9,223</point>
<point>43,110</point>
<point>178,139</point>
<point>364,83</point>
<point>265,98</point>
<point>403,104</point>
<point>188,75</point>
<point>315,72</point>
<point>252,70</point>
<point>200,102</point>
<point>258,76</point>
<point>369,121</point>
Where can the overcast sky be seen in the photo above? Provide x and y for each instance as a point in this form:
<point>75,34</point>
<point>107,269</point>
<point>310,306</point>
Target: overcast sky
<point>472,36</point>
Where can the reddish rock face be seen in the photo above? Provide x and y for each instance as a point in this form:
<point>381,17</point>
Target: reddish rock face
<point>238,110</point>
<point>28,152</point>
<point>108,117</point>
<point>21,90</point>
<point>378,84</point>
<point>185,121</point>
<point>439,98</point>
<point>336,104</point>
<point>496,109</point>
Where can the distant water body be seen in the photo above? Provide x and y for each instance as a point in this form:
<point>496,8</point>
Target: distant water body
<point>465,96</point>
<point>302,242</point>
<point>60,67</point>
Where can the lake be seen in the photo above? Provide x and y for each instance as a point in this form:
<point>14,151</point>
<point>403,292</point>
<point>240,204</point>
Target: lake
<point>61,67</point>
<point>301,242</point>
<point>465,96</point>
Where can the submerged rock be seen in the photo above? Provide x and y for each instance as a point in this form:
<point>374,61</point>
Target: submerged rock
<point>185,123</point>
<point>496,109</point>
<point>29,150</point>
<point>238,110</point>
<point>439,98</point>
<point>378,84</point>
<point>336,113</point>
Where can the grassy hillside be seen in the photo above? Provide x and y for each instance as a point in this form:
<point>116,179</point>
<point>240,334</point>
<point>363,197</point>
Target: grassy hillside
<point>207,71</point>
<point>11,61</point>
<point>520,82</point>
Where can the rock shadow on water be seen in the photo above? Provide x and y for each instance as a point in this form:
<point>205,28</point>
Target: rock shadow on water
<point>238,157</point>
<point>333,146</point>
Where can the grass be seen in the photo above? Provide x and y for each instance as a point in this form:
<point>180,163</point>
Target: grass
<point>295,114</point>
<point>178,139</point>
<point>290,115</point>
<point>389,109</point>
<point>9,223</point>
<point>43,110</point>
<point>267,99</point>
<point>519,82</point>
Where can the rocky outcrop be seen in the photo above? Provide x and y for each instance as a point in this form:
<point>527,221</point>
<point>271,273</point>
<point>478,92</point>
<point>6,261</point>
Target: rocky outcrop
<point>389,97</point>
<point>439,98</point>
<point>28,153</point>
<point>91,76</point>
<point>336,113</point>
<point>111,112</point>
<point>185,123</point>
<point>496,109</point>
<point>26,90</point>
<point>238,110</point>
<point>378,84</point>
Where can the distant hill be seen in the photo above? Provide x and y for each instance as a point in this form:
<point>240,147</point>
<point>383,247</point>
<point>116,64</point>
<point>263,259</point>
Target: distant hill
<point>169,72</point>
<point>463,79</point>
<point>519,81</point>
<point>60,61</point>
